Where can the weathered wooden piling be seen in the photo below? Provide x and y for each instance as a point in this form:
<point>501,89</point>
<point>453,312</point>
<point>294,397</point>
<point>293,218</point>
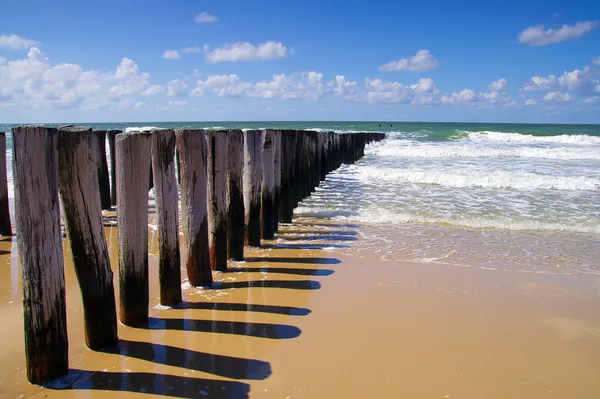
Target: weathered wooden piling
<point>217,199</point>
<point>77,183</point>
<point>5,226</point>
<point>235,195</point>
<point>277,177</point>
<point>133,165</point>
<point>35,172</point>
<point>285,209</point>
<point>102,166</point>
<point>267,196</point>
<point>253,169</point>
<point>163,164</point>
<point>112,134</point>
<point>192,151</point>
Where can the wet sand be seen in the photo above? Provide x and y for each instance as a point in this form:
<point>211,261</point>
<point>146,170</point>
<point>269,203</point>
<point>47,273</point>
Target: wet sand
<point>314,318</point>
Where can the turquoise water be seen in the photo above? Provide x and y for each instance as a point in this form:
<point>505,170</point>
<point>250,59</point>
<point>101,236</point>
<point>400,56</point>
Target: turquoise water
<point>519,197</point>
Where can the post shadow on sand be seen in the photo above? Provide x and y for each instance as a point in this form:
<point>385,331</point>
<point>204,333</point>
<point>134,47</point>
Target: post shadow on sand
<point>323,237</point>
<point>305,246</point>
<point>284,284</point>
<point>281,270</point>
<point>151,384</point>
<point>318,261</point>
<point>223,366</point>
<point>245,307</point>
<point>259,330</point>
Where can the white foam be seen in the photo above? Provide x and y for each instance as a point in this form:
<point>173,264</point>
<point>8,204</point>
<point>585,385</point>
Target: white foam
<point>484,179</point>
<point>422,150</point>
<point>382,216</point>
<point>572,139</point>
<point>140,128</point>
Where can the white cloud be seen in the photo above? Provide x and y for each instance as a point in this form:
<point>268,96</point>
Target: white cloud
<point>139,105</point>
<point>171,55</point>
<point>14,42</point>
<point>539,36</point>
<point>422,61</point>
<point>205,17</point>
<point>592,100</point>
<point>497,85</point>
<point>35,82</point>
<point>539,83</point>
<point>470,98</point>
<point>243,51</point>
<point>176,87</point>
<point>557,96</point>
<point>530,101</point>
<point>596,61</point>
<point>153,89</point>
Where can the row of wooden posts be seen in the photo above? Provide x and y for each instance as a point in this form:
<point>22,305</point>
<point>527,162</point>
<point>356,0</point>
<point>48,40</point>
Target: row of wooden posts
<point>236,186</point>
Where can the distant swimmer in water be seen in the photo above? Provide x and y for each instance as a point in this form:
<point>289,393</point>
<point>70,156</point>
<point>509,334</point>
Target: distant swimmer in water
<point>380,125</point>
<point>391,125</point>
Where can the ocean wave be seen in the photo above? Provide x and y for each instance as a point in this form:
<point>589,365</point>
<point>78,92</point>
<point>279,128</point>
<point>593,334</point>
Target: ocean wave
<point>460,179</point>
<point>382,216</point>
<point>509,137</point>
<point>384,149</point>
<point>140,128</point>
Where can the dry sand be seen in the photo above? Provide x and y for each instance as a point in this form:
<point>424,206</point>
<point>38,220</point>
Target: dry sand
<point>321,323</point>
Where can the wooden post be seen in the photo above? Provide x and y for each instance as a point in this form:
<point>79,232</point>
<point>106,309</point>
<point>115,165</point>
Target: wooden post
<point>77,177</point>
<point>277,176</point>
<point>253,168</point>
<point>163,164</point>
<point>287,169</point>
<point>133,165</point>
<point>103,181</point>
<point>40,252</point>
<point>112,134</point>
<point>217,199</point>
<point>191,148</point>
<point>267,204</point>
<point>297,184</point>
<point>235,195</point>
<point>5,226</point>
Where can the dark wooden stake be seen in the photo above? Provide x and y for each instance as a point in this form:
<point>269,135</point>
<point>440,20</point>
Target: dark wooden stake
<point>5,226</point>
<point>169,267</point>
<point>217,199</point>
<point>191,148</point>
<point>235,195</point>
<point>103,180</point>
<point>77,177</point>
<point>253,169</point>
<point>40,252</point>
<point>267,205</point>
<point>133,164</point>
<point>277,177</point>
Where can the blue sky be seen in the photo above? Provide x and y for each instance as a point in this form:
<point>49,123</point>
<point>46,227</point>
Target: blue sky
<point>509,61</point>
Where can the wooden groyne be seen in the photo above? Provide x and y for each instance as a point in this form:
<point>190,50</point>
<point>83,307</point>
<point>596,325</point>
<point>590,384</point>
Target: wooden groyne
<point>235,188</point>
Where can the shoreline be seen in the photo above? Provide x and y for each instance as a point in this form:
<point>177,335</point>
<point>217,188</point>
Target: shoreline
<point>324,323</point>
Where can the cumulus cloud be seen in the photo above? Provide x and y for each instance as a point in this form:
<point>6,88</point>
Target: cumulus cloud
<point>205,17</point>
<point>176,87</point>
<point>497,85</point>
<point>470,98</point>
<point>538,35</point>
<point>422,61</point>
<point>557,96</point>
<point>244,51</point>
<point>35,82</point>
<point>304,86</point>
<point>596,61</point>
<point>530,101</point>
<point>14,42</point>
<point>171,55</point>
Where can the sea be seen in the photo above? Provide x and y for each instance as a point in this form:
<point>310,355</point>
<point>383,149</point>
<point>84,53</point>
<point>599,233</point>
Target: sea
<point>521,198</point>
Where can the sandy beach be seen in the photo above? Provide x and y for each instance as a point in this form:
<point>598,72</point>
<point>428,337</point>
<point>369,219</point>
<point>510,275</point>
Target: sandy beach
<point>307,316</point>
